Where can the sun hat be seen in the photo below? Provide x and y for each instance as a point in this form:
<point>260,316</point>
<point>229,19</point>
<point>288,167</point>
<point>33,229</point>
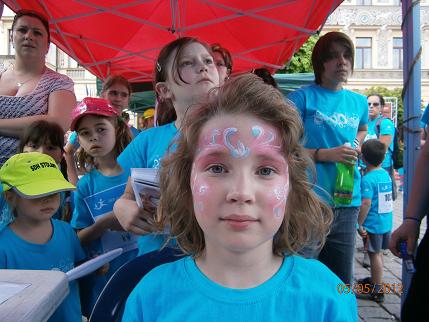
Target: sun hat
<point>33,175</point>
<point>92,106</point>
<point>150,112</point>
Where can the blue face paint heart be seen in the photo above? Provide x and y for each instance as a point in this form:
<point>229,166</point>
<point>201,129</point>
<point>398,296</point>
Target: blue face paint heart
<point>256,131</point>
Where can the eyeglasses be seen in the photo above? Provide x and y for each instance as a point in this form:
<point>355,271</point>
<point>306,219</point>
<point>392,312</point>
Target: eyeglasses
<point>375,104</point>
<point>117,93</point>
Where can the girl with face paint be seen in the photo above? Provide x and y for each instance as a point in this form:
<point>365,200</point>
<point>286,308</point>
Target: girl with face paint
<point>236,198</point>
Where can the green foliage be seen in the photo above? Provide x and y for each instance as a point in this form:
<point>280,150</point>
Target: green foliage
<point>301,60</point>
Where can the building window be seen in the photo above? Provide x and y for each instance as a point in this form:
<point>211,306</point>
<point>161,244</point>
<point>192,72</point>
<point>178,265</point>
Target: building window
<point>363,2</point>
<point>10,49</point>
<point>363,53</point>
<point>397,53</point>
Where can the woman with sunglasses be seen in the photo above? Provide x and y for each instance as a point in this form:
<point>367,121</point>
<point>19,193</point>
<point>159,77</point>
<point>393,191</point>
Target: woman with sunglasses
<point>29,91</point>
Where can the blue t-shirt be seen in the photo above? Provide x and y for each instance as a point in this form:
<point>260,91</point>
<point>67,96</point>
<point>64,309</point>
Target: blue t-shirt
<point>134,132</point>
<point>146,151</point>
<point>95,196</point>
<point>425,116</point>
<point>386,128</point>
<point>60,253</point>
<point>330,118</point>
<point>148,148</point>
<point>377,186</point>
<point>301,290</point>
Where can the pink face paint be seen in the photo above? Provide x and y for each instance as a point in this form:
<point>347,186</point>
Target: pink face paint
<point>281,192</point>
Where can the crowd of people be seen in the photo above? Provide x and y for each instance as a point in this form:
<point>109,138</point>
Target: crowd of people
<point>247,181</point>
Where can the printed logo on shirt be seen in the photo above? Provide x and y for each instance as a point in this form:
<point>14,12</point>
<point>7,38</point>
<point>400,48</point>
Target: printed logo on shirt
<point>339,120</point>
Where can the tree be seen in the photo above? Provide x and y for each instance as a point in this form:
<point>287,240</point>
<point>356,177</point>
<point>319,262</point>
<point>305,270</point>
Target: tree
<point>301,60</point>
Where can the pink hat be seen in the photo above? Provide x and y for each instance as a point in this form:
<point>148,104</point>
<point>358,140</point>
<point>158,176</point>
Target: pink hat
<point>92,106</point>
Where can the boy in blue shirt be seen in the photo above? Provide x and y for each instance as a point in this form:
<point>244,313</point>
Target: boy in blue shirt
<point>375,216</point>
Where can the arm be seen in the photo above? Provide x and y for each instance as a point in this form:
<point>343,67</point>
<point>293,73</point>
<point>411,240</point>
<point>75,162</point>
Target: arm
<point>340,153</point>
<point>418,205</point>
<point>386,140</point>
<point>60,104</point>
<point>72,175</point>
<point>363,213</point>
<point>96,230</point>
<point>130,216</point>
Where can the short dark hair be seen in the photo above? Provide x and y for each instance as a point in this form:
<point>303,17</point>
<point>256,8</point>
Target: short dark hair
<point>321,51</point>
<point>266,76</point>
<point>382,102</point>
<point>34,14</point>
<point>116,79</point>
<point>373,152</point>
<point>41,132</point>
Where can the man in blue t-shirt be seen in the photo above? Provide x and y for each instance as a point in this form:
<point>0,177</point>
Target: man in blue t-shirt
<point>382,128</point>
<point>333,116</point>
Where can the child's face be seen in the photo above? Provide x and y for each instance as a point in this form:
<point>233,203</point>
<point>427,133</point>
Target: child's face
<point>97,135</point>
<point>39,209</point>
<point>239,183</point>
<point>197,69</point>
<point>46,148</point>
<point>118,96</point>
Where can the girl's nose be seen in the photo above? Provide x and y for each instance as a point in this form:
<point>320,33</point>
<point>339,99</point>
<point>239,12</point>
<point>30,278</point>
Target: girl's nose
<point>241,190</point>
<point>203,67</point>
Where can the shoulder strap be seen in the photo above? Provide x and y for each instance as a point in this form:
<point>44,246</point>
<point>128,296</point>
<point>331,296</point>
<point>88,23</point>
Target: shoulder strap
<point>377,125</point>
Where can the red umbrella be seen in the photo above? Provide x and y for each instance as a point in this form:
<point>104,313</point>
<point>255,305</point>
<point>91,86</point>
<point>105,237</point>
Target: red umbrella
<point>125,36</point>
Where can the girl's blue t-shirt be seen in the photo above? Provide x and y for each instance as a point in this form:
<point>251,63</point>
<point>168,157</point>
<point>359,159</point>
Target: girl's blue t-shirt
<point>330,118</point>
<point>147,151</point>
<point>61,252</point>
<point>301,290</point>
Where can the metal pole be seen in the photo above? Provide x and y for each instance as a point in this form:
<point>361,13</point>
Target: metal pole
<point>412,99</point>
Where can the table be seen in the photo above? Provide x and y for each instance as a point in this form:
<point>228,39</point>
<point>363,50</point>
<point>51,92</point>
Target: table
<point>38,301</point>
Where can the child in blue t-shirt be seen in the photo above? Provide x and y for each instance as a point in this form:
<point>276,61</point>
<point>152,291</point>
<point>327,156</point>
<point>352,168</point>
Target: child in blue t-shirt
<point>184,75</point>
<point>31,183</point>
<point>375,216</point>
<point>235,195</point>
<point>48,138</point>
<point>102,136</point>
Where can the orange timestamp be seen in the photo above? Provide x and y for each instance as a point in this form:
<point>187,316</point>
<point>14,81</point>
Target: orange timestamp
<point>367,288</point>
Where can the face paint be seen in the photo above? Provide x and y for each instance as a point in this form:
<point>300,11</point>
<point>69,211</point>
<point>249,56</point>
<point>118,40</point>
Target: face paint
<point>281,194</point>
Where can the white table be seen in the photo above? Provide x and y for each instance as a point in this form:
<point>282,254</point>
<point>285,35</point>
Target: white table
<point>38,301</point>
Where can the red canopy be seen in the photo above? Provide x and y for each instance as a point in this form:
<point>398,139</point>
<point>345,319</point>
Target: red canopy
<point>125,36</point>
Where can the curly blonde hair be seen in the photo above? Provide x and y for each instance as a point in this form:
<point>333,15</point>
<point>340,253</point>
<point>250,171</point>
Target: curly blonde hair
<point>307,218</point>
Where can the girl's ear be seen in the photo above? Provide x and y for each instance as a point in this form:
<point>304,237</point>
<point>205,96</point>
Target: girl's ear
<point>163,91</point>
<point>10,198</point>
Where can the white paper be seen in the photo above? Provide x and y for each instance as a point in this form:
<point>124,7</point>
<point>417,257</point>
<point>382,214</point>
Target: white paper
<point>93,264</point>
<point>7,290</point>
<point>145,184</point>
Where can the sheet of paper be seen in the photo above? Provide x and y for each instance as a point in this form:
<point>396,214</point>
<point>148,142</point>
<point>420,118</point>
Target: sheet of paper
<point>7,290</point>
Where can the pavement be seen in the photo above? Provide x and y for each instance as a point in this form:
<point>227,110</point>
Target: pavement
<point>389,310</point>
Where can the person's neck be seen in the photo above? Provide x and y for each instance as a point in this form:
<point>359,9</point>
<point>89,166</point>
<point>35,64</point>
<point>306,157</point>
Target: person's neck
<point>335,87</point>
<point>372,118</point>
<point>180,113</point>
<point>33,231</point>
<point>28,67</point>
<point>239,270</point>
<point>370,167</point>
<point>108,165</point>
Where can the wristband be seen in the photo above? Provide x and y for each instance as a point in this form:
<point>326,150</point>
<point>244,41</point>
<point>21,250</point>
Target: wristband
<point>413,218</point>
<point>316,154</point>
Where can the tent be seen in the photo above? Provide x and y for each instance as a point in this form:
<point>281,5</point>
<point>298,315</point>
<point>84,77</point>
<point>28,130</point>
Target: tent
<point>124,36</point>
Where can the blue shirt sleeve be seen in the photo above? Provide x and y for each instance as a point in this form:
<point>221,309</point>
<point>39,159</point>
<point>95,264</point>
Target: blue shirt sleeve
<point>81,216</point>
<point>298,99</point>
<point>425,116</point>
<point>387,127</point>
<point>367,189</point>
<point>134,154</point>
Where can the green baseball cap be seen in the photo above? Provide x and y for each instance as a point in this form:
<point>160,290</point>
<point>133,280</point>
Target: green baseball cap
<point>33,175</point>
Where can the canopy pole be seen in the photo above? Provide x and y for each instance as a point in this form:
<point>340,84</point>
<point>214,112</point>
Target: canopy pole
<point>412,100</point>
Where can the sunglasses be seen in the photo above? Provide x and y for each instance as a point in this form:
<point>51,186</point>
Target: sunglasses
<point>117,93</point>
<point>374,104</point>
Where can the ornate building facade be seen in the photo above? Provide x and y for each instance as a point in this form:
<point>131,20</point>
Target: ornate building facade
<point>375,28</point>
